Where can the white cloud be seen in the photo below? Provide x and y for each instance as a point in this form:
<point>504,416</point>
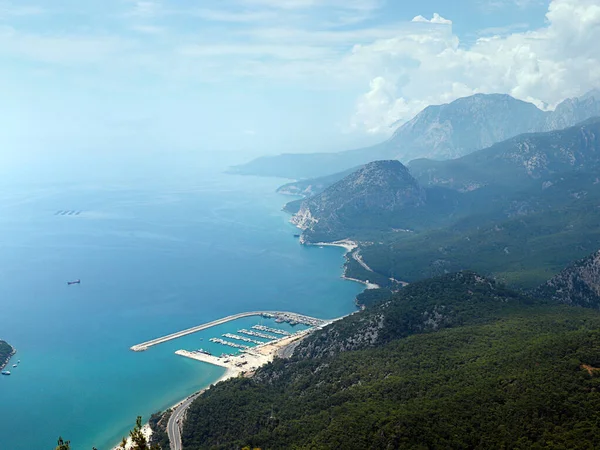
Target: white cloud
<point>400,67</point>
<point>380,108</point>
<point>542,66</point>
<point>435,19</point>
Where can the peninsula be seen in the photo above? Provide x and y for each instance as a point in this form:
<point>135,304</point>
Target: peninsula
<point>6,352</point>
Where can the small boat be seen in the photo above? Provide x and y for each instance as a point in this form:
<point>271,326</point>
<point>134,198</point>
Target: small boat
<point>5,372</point>
<point>73,282</point>
<point>14,365</point>
<point>296,235</point>
<point>19,362</point>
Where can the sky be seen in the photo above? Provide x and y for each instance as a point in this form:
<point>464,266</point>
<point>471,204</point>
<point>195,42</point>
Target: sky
<point>272,76</point>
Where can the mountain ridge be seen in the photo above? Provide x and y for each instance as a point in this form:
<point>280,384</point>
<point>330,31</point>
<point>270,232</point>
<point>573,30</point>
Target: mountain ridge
<point>576,285</point>
<point>439,132</point>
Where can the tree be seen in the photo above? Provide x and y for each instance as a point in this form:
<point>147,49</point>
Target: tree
<point>62,445</point>
<point>138,440</point>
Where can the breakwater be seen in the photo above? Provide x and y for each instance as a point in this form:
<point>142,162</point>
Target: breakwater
<point>277,315</point>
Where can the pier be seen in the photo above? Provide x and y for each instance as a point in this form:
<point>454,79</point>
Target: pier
<point>271,330</point>
<point>283,316</point>
<point>257,334</point>
<point>242,338</point>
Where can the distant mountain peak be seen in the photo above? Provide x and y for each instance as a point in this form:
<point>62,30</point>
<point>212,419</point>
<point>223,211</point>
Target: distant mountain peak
<point>593,94</point>
<point>465,125</point>
<point>441,132</point>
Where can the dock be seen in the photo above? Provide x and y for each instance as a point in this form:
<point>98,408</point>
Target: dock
<point>277,315</point>
<point>250,359</point>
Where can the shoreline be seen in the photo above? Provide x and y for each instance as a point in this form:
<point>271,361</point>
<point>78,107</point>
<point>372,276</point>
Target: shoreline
<point>262,355</point>
<point>347,244</point>
<point>274,348</point>
<point>8,358</point>
<point>147,430</point>
<point>367,283</point>
<point>350,246</point>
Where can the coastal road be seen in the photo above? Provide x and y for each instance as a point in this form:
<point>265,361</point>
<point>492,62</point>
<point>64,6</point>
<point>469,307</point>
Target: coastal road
<point>176,420</point>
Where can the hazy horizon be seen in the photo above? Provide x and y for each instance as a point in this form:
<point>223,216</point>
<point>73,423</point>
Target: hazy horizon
<point>257,77</point>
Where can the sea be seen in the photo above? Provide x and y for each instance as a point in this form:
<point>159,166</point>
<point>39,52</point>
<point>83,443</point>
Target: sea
<point>160,244</point>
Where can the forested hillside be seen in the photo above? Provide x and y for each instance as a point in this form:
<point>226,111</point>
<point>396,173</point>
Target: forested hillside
<point>519,211</point>
<point>454,362</point>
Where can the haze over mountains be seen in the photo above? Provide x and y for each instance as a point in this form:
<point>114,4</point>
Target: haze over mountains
<point>438,132</point>
<point>522,208</point>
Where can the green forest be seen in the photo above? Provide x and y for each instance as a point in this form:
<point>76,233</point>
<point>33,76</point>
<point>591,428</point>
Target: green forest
<point>454,362</point>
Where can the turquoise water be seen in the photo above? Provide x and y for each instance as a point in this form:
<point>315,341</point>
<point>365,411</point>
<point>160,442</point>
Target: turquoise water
<point>157,251</point>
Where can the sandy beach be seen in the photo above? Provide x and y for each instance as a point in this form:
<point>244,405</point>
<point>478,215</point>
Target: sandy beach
<point>147,431</point>
<point>367,283</point>
<point>344,243</point>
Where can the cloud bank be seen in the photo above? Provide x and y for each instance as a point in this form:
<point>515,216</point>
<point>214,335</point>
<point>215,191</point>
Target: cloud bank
<point>543,66</point>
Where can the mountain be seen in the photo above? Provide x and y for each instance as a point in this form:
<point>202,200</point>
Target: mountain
<point>519,160</point>
<point>578,284</point>
<point>463,126</point>
<point>520,211</point>
<point>438,132</point>
<point>574,110</point>
<point>454,362</point>
<point>364,199</point>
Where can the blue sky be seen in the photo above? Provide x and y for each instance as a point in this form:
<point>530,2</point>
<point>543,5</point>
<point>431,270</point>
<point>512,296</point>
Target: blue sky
<point>268,76</point>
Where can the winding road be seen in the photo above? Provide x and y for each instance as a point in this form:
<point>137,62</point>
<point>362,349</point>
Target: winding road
<point>176,420</point>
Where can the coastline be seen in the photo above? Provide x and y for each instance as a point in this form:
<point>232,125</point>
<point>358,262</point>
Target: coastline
<point>261,355</point>
<point>147,431</point>
<point>347,244</point>
<point>266,352</point>
<point>350,246</point>
<point>5,363</point>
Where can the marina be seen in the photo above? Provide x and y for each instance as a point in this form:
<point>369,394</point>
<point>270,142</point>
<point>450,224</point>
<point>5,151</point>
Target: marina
<point>248,359</point>
<point>242,338</point>
<point>271,330</point>
<point>287,317</point>
<point>257,334</point>
<point>229,343</point>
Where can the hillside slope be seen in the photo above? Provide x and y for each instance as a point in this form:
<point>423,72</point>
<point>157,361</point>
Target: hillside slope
<point>517,161</point>
<point>501,373</point>
<point>368,198</point>
<point>577,285</point>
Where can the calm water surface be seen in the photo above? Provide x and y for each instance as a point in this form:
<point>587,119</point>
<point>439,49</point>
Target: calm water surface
<point>156,251</point>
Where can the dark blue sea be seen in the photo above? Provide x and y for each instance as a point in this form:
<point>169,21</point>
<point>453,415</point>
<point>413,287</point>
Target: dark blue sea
<point>158,247</point>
